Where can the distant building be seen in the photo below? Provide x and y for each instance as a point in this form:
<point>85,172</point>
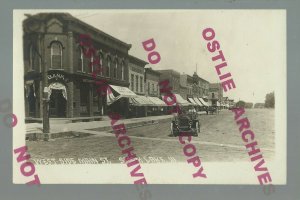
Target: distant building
<point>173,77</point>
<point>231,103</point>
<point>200,86</point>
<point>225,102</point>
<point>186,86</point>
<point>248,105</point>
<point>152,80</point>
<point>259,105</point>
<point>136,75</point>
<point>215,93</point>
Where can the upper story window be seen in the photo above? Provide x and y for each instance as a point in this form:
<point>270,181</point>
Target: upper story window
<point>149,88</point>
<point>141,84</point>
<point>213,95</point>
<point>132,82</point>
<point>101,64</point>
<point>32,58</point>
<point>122,70</point>
<point>115,71</point>
<point>91,66</point>
<point>152,88</point>
<point>56,55</point>
<point>136,83</point>
<point>108,66</point>
<point>80,60</point>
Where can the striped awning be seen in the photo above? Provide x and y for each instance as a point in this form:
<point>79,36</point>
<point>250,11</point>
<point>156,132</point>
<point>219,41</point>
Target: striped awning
<point>141,101</point>
<point>157,101</point>
<point>191,100</point>
<point>198,102</point>
<point>203,102</point>
<point>179,100</point>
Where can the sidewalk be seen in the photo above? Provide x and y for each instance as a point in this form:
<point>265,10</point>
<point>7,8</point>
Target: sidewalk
<point>34,130</point>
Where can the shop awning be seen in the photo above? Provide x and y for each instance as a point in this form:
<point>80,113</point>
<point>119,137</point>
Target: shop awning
<point>203,102</point>
<point>141,101</point>
<point>179,100</point>
<point>114,93</point>
<point>191,100</point>
<point>157,101</point>
<point>198,102</point>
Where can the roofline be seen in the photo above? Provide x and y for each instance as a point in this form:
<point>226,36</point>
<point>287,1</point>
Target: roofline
<point>152,71</point>
<point>172,70</point>
<point>131,57</point>
<point>76,20</point>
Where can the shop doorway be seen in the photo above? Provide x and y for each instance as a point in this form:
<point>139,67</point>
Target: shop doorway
<point>57,104</point>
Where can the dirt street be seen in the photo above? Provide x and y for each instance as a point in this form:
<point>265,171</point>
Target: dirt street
<point>219,140</point>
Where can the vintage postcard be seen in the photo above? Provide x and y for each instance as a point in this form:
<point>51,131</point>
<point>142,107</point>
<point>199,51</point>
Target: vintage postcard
<point>149,97</point>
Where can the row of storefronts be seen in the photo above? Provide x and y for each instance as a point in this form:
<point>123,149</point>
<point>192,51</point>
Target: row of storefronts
<point>56,64</point>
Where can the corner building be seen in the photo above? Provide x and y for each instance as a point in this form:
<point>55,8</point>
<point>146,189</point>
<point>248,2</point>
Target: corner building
<point>51,43</point>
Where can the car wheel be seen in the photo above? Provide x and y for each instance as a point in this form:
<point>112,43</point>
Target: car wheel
<point>172,130</point>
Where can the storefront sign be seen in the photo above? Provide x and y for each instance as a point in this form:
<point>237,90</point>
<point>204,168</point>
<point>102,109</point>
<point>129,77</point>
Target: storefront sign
<point>57,76</point>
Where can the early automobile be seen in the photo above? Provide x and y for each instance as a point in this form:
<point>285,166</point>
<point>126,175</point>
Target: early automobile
<point>186,122</point>
<point>213,109</point>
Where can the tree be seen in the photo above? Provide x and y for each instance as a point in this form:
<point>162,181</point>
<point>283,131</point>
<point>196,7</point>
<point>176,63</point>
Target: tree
<point>270,100</point>
<point>240,104</point>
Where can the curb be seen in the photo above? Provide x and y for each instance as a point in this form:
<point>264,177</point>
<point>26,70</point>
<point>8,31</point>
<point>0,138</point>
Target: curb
<point>129,125</point>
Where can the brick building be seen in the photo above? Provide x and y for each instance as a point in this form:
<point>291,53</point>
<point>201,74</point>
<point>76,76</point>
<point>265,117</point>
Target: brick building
<point>152,80</point>
<point>173,77</point>
<point>186,86</point>
<point>137,75</point>
<point>200,86</point>
<point>53,38</point>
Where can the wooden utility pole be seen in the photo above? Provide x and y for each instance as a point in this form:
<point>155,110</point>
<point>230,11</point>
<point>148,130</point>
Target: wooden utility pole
<point>36,36</point>
<point>46,124</point>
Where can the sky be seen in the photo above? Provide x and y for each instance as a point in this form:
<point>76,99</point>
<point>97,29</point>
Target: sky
<point>253,43</point>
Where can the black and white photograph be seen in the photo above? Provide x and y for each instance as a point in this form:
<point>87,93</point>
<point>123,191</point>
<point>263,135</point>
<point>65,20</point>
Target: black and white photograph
<point>150,96</point>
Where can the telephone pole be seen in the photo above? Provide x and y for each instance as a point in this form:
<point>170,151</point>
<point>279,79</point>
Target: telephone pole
<point>36,36</point>
<point>46,124</point>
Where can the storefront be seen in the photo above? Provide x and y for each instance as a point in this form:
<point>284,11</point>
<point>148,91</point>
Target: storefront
<point>118,99</point>
<point>139,106</point>
<point>159,107</point>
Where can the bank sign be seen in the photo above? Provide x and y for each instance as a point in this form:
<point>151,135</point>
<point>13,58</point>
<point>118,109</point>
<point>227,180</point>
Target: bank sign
<point>57,76</point>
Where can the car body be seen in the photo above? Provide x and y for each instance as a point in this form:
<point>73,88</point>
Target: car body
<point>186,123</point>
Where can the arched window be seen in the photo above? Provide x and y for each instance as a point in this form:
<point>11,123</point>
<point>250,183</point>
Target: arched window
<point>31,57</point>
<point>122,70</point>
<point>101,64</point>
<point>115,69</point>
<point>108,66</point>
<point>80,60</point>
<point>91,66</point>
<point>56,55</point>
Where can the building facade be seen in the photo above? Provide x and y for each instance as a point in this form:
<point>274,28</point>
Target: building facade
<point>152,82</point>
<point>137,75</point>
<point>186,86</point>
<point>55,62</point>
<point>200,86</point>
<point>215,93</point>
<point>173,77</point>
<point>204,87</point>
